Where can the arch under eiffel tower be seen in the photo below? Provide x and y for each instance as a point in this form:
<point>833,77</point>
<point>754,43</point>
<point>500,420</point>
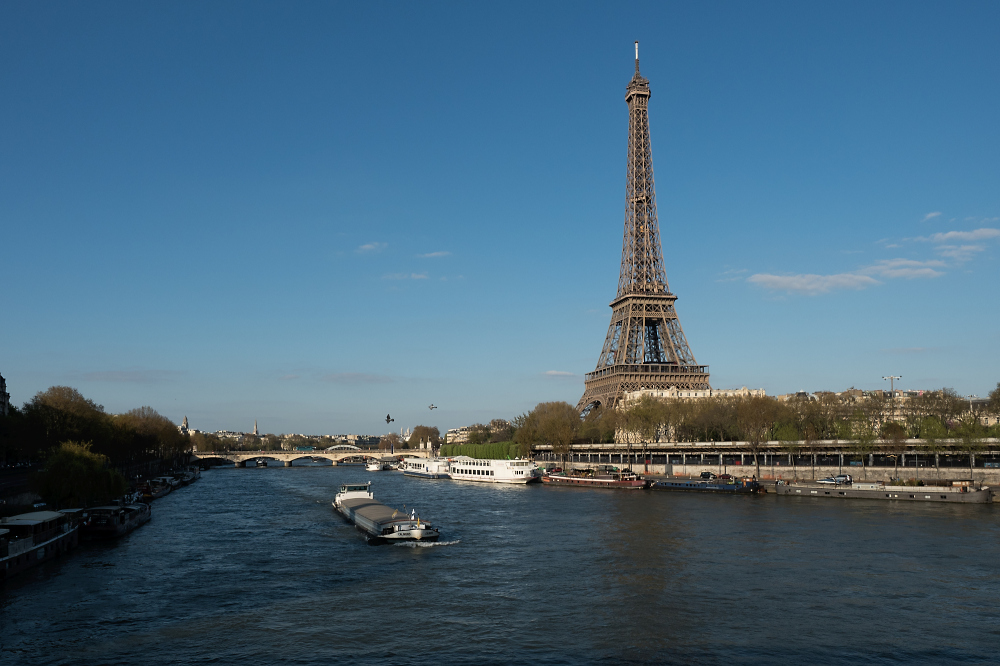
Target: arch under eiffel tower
<point>645,347</point>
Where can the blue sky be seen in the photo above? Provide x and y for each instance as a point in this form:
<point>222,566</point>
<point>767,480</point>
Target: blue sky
<point>313,214</point>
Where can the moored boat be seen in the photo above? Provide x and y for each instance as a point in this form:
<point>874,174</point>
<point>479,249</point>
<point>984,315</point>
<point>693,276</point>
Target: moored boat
<point>621,479</point>
<point>378,466</point>
<point>379,522</point>
<point>464,468</point>
<point>427,468</point>
<point>959,492</point>
<point>108,522</point>
<point>732,486</point>
<point>28,539</point>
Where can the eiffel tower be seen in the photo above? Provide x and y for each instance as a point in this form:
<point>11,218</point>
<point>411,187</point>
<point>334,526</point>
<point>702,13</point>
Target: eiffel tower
<point>645,347</point>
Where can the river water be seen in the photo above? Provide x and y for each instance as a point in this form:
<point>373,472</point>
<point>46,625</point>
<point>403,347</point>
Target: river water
<point>253,566</point>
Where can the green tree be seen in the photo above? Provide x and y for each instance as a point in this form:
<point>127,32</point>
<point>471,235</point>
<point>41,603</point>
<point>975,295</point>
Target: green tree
<point>74,476</point>
<point>554,423</point>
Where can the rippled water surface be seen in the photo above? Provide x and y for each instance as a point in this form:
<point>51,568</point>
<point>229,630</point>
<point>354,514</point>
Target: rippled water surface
<point>253,566</point>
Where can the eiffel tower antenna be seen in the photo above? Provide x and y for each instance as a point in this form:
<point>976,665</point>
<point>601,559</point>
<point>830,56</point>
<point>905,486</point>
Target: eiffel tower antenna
<point>645,347</point>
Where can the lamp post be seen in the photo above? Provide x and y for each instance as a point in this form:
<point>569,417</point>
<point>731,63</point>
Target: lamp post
<point>970,397</point>
<point>892,391</point>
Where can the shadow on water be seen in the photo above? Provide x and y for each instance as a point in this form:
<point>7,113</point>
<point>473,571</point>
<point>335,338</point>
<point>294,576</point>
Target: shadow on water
<point>253,565</point>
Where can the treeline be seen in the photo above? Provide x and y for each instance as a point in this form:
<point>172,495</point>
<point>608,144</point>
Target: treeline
<point>490,451</point>
<point>934,415</point>
<point>854,415</point>
<point>62,414</point>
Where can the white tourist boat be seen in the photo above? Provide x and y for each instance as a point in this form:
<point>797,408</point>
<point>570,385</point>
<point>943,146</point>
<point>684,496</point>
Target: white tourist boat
<point>378,466</point>
<point>426,468</point>
<point>379,522</point>
<point>464,468</point>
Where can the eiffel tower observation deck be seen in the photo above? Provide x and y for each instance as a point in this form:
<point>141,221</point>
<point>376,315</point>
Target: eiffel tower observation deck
<point>645,347</point>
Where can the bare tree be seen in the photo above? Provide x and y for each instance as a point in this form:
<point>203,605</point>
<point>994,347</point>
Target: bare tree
<point>755,419</point>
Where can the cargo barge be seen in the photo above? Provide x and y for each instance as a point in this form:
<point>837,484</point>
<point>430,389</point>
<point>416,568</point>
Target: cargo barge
<point>380,523</point>
<point>960,492</point>
<point>731,486</point>
<point>622,480</point>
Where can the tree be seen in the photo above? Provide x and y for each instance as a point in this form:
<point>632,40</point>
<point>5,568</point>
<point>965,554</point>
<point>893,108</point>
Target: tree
<point>599,425</point>
<point>554,423</point>
<point>500,430</point>
<point>424,433</point>
<point>894,438</point>
<point>755,418</point>
<point>864,440</point>
<point>390,442</point>
<point>479,434</point>
<point>932,431</point>
<point>970,430</point>
<point>789,438</point>
<point>74,476</point>
<point>994,406</point>
<point>61,413</point>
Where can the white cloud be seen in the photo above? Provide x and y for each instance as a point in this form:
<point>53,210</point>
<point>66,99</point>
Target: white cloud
<point>959,252</point>
<point>931,216</point>
<point>905,268</point>
<point>812,284</point>
<point>976,235</point>
<point>431,255</point>
<point>371,247</point>
<point>559,373</point>
<point>405,276</point>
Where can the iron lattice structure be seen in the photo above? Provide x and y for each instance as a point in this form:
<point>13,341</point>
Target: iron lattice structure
<point>645,347</point>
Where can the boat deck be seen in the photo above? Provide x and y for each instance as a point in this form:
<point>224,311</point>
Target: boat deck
<point>373,511</point>
<point>902,493</point>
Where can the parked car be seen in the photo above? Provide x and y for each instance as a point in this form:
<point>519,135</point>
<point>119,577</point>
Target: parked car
<point>725,477</point>
<point>708,476</point>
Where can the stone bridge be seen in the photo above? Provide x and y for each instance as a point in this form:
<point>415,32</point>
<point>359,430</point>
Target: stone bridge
<point>240,458</point>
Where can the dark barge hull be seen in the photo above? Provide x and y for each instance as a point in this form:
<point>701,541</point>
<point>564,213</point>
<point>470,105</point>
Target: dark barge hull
<point>742,488</point>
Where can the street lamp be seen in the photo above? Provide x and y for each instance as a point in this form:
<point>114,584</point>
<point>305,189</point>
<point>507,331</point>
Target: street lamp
<point>892,391</point>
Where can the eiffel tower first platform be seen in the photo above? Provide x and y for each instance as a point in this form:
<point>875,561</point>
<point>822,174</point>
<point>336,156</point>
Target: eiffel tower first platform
<point>645,347</point>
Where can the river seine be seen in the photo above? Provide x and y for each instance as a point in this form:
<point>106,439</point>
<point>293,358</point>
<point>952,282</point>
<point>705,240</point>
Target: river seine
<point>253,566</point>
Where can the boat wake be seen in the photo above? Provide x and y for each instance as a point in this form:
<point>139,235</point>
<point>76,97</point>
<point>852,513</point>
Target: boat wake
<point>427,544</point>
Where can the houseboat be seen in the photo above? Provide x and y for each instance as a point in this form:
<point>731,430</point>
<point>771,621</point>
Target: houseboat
<point>957,492</point>
<point>624,479</point>
<point>109,522</point>
<point>28,539</point>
